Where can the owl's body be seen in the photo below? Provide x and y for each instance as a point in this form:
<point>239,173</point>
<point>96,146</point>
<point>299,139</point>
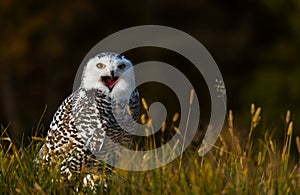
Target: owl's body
<point>95,118</point>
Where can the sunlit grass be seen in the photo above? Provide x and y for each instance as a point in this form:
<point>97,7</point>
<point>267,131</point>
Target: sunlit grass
<point>236,164</point>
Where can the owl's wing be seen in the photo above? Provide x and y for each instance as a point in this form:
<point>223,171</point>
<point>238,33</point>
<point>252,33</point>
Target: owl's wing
<point>134,104</point>
<point>62,131</point>
<point>76,130</point>
<point>63,142</point>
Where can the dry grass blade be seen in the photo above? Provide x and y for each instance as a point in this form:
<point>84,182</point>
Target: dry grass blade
<point>266,169</point>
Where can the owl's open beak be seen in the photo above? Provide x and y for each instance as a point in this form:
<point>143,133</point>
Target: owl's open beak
<point>109,81</point>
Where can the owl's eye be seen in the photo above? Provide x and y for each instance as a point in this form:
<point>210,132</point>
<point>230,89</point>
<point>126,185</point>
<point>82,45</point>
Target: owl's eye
<point>121,66</point>
<point>101,66</point>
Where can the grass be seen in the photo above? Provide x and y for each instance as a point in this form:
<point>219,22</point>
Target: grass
<point>236,164</point>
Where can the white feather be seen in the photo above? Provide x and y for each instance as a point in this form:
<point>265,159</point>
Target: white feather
<point>91,78</point>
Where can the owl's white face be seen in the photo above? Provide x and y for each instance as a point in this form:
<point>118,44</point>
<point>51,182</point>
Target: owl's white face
<point>111,73</point>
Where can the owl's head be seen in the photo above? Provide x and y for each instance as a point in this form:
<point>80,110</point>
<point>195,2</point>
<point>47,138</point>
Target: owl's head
<point>110,73</point>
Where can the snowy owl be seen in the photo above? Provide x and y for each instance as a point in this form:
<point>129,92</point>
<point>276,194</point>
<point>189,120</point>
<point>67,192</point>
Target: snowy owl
<point>96,118</point>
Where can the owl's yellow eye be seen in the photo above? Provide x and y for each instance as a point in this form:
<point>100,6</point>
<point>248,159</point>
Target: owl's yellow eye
<point>101,66</point>
<point>121,66</point>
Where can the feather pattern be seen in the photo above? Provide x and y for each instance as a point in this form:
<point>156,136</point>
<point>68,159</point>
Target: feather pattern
<point>90,116</point>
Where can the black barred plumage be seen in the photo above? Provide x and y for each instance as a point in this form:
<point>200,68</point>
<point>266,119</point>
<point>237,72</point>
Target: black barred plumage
<point>105,104</point>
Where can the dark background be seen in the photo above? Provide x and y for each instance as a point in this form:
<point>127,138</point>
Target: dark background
<point>255,43</point>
